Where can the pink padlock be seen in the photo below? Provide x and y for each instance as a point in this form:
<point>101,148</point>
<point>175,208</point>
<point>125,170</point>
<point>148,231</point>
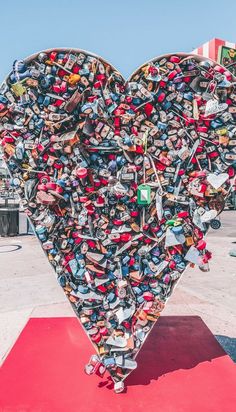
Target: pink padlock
<point>219,69</point>
<point>201,245</point>
<point>174,59</point>
<point>148,296</point>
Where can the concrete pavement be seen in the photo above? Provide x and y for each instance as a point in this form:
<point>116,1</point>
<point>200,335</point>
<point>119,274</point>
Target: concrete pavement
<point>28,288</point>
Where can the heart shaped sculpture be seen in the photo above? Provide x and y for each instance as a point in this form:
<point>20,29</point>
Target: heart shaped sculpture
<point>120,181</point>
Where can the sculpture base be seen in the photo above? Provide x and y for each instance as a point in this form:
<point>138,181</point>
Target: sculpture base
<point>180,368</point>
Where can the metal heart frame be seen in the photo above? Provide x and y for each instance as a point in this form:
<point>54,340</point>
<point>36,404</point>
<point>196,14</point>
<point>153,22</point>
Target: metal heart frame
<point>120,180</point>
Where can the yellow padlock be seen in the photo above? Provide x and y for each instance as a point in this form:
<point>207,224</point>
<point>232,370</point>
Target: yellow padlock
<point>189,241</point>
<point>18,89</point>
<point>73,79</point>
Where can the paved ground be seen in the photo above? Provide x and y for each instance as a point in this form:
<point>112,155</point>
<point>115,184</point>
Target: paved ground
<point>28,288</point>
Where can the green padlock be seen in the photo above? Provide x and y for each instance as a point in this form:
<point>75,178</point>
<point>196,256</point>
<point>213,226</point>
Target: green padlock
<point>144,195</point>
<point>170,222</point>
<point>18,89</point>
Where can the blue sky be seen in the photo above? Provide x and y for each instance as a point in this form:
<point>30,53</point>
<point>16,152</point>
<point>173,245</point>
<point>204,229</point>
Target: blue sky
<point>126,32</point>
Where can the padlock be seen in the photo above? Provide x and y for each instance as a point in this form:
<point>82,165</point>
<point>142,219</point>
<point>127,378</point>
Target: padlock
<point>144,195</point>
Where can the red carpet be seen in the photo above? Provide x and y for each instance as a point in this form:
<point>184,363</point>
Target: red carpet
<point>181,368</point>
